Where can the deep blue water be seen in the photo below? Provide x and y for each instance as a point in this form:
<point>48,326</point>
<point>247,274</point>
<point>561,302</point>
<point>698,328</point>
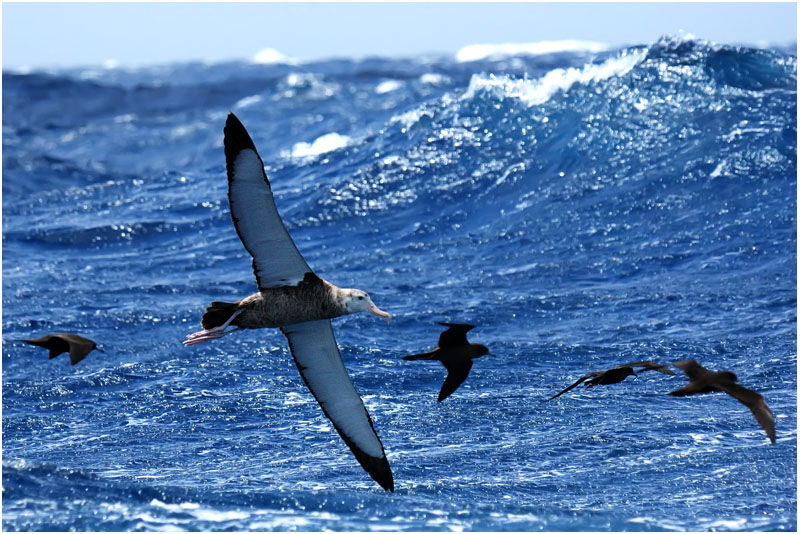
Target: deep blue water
<point>583,210</point>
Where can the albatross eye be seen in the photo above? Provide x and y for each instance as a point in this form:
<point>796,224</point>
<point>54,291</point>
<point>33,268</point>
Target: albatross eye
<point>360,297</point>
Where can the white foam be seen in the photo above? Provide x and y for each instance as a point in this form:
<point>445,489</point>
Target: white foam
<point>270,56</point>
<point>721,167</point>
<point>321,145</point>
<point>248,101</point>
<point>433,78</point>
<point>388,86</point>
<point>299,79</point>
<point>534,92</point>
<point>483,51</point>
<point>411,117</point>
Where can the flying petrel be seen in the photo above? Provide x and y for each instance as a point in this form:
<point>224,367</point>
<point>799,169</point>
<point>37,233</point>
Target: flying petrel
<point>616,375</point>
<point>77,346</point>
<point>701,380</point>
<point>455,353</point>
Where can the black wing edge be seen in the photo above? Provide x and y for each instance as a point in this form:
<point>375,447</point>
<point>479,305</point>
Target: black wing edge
<point>236,139</point>
<point>377,468</point>
<point>455,335</point>
<point>456,375</point>
<point>650,365</point>
<point>573,386</point>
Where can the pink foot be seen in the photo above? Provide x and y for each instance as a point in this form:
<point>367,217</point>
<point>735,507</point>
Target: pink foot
<point>211,333</point>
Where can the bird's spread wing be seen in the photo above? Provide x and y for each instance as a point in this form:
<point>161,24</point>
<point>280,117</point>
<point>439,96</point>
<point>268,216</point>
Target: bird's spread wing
<point>276,260</point>
<point>456,374</point>
<point>576,383</point>
<point>455,335</point>
<point>320,364</point>
<point>648,365</point>
<point>51,342</point>
<point>79,347</point>
<point>689,389</point>
<point>756,403</point>
<point>423,356</point>
<point>692,369</point>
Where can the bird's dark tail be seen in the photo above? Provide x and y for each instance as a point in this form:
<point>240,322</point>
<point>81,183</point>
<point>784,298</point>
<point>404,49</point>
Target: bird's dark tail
<point>218,313</point>
<point>423,356</point>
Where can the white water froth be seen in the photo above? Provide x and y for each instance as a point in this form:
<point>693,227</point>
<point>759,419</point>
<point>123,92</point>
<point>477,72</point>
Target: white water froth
<point>495,51</point>
<point>388,86</point>
<point>321,145</point>
<point>534,92</point>
<point>434,78</point>
<point>247,101</point>
<point>270,56</point>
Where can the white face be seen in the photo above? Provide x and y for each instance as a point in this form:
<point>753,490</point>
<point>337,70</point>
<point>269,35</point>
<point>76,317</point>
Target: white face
<point>356,301</point>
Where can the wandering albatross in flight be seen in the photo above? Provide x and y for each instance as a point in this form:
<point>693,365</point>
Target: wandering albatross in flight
<point>291,297</point>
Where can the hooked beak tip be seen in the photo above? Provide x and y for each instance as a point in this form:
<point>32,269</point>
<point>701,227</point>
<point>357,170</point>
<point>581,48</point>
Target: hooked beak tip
<point>374,310</point>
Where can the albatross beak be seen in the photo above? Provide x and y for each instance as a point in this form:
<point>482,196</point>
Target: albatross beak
<point>374,310</point>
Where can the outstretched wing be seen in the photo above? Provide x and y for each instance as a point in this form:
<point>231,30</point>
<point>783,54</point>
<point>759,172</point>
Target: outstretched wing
<point>692,368</point>
<point>276,260</point>
<point>320,364</point>
<point>578,381</point>
<point>756,403</point>
<point>456,374</point>
<point>79,347</point>
<point>51,342</point>
<point>649,365</point>
<point>455,335</point>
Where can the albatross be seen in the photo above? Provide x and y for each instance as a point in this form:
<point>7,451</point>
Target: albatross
<point>295,300</point>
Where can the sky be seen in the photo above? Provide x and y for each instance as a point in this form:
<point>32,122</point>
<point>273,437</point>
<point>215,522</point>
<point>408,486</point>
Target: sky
<point>46,35</point>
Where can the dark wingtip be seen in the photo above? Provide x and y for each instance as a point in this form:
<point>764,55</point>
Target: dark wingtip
<point>235,139</point>
<point>377,468</point>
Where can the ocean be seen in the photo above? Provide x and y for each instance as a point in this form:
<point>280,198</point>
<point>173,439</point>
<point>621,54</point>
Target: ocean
<point>583,207</point>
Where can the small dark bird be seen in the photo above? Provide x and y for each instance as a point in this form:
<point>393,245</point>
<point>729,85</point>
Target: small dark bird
<point>701,380</point>
<point>616,375</point>
<point>455,353</point>
<point>77,346</point>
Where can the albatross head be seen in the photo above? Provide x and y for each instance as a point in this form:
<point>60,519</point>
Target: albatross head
<point>355,300</point>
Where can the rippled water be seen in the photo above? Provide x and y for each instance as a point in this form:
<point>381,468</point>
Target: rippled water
<point>584,209</point>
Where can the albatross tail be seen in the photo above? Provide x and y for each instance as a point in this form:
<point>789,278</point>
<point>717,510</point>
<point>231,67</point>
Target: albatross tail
<point>218,313</point>
<point>216,319</point>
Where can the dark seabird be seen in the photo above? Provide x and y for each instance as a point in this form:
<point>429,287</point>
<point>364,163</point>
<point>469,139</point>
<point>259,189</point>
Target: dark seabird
<point>77,346</point>
<point>616,375</point>
<point>291,297</point>
<point>701,380</point>
<point>455,353</point>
